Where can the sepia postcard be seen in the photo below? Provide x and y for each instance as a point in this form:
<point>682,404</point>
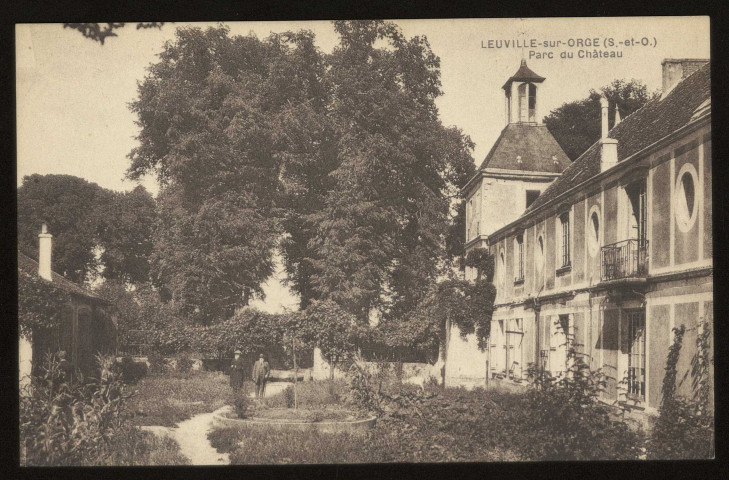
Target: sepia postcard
<point>365,241</point>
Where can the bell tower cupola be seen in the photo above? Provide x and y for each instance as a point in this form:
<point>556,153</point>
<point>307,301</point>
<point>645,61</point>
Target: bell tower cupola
<point>520,92</point>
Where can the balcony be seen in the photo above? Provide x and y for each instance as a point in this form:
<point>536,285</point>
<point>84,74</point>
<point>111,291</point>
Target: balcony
<point>623,260</point>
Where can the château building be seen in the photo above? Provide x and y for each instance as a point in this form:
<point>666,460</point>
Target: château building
<point>612,254</point>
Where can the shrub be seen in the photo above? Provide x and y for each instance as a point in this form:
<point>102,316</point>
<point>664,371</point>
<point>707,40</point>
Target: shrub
<point>131,371</point>
<point>242,405</point>
<point>157,363</point>
<point>184,363</point>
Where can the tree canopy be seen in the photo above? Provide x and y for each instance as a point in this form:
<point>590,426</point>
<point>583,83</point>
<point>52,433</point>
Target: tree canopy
<point>339,160</point>
<point>82,217</point>
<point>577,125</point>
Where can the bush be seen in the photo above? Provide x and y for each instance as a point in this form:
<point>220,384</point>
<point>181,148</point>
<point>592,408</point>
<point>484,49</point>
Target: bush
<point>242,405</point>
<point>566,421</point>
<point>131,371</point>
<point>184,363</point>
<point>157,363</point>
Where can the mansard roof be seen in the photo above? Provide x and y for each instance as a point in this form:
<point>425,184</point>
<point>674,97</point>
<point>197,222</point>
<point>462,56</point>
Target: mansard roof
<point>644,127</point>
<point>524,74</point>
<point>533,143</point>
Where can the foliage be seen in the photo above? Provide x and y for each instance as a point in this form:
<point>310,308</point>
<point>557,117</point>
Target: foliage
<point>124,224</point>
<point>157,363</point>
<point>382,223</point>
<point>71,422</point>
<point>685,426</point>
<point>205,112</point>
<point>64,203</point>
<point>577,125</point>
<point>249,330</point>
<point>242,404</point>
<point>326,325</point>
<point>465,304</point>
<point>310,395</point>
<point>169,399</point>
<point>568,415</point>
<point>98,32</point>
<point>83,216</point>
<point>483,262</point>
<point>40,304</point>
<point>184,363</point>
<point>131,371</point>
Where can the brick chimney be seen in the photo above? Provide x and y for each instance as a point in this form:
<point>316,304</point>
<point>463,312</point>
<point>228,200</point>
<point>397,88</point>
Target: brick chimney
<point>44,254</point>
<point>676,69</point>
<point>608,146</point>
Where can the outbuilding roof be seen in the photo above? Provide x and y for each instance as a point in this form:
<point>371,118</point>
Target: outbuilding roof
<point>655,120</point>
<point>30,266</point>
<point>526,147</point>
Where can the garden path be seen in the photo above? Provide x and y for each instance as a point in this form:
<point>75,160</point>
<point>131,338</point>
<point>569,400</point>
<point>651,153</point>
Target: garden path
<point>192,434</point>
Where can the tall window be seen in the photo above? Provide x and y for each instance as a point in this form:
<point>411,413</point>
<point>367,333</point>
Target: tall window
<point>636,354</point>
<point>514,336</point>
<point>559,345</point>
<point>565,238</point>
<point>519,258</point>
<point>502,269</point>
<point>639,203</point>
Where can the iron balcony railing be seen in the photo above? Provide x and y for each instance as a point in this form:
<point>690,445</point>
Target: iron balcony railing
<point>624,259</point>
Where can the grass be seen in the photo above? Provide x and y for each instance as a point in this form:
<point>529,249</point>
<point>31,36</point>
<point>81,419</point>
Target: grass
<point>169,399</point>
<point>310,395</point>
<point>260,447</point>
<point>133,447</point>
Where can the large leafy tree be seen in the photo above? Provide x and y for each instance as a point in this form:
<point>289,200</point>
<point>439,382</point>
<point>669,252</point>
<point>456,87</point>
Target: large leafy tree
<point>576,125</point>
<point>124,224</point>
<point>84,217</point>
<point>210,117</point>
<point>65,203</point>
<point>381,230</point>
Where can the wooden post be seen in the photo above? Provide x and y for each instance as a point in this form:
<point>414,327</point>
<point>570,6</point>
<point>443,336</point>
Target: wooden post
<point>296,372</point>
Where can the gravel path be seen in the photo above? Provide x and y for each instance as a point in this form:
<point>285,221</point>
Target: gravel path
<point>192,434</point>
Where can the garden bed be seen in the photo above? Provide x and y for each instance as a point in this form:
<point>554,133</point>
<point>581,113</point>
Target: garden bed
<point>171,398</point>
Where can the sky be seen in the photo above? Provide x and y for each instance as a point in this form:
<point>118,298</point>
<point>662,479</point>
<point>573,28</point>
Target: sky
<point>73,93</point>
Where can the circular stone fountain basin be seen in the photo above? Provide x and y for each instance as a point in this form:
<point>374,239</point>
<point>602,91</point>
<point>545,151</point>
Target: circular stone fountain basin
<point>353,426</point>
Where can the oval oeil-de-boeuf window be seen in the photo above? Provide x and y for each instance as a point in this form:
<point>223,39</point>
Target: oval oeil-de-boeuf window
<point>686,198</point>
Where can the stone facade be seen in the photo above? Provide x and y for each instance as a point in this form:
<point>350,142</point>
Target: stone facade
<point>611,261</point>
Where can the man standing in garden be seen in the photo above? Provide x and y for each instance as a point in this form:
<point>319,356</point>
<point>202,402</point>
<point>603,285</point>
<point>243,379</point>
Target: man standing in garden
<point>261,371</point>
<point>236,372</point>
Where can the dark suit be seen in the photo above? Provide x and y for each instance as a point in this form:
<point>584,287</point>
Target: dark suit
<point>236,373</point>
<point>261,371</point>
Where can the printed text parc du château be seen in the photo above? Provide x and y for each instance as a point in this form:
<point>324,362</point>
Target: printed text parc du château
<point>587,47</point>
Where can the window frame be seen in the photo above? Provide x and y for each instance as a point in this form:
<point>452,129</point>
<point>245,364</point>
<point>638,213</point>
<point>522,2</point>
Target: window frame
<point>565,241</point>
<point>519,259</point>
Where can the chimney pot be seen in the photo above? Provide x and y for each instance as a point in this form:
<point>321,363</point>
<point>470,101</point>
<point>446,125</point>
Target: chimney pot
<point>44,253</point>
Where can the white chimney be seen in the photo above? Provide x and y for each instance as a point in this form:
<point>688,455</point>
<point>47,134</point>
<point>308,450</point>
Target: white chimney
<point>44,254</point>
<point>617,116</point>
<point>608,146</point>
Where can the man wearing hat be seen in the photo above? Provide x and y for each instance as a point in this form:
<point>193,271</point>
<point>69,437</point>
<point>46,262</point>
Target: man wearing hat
<point>261,371</point>
<point>236,371</point>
